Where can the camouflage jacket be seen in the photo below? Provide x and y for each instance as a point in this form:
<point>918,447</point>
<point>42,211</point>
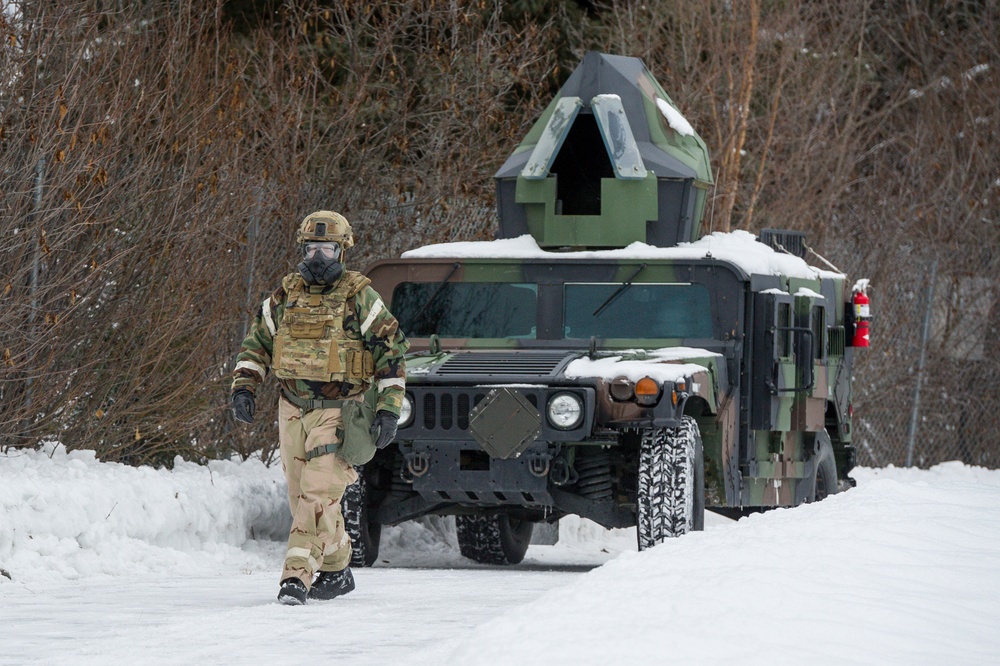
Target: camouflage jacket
<point>365,318</point>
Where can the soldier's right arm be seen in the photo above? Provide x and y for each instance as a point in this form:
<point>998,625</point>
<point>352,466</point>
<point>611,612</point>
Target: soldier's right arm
<point>254,359</point>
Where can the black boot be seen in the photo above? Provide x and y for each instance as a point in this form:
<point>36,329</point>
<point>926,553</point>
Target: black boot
<point>330,584</point>
<point>292,592</point>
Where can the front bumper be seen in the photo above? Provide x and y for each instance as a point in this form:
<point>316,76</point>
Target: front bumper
<point>462,473</point>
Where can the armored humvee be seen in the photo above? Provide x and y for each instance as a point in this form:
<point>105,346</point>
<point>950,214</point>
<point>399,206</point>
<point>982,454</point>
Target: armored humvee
<point>601,357</point>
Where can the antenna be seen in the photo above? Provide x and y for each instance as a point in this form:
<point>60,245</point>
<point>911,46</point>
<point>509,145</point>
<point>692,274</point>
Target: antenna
<point>711,215</point>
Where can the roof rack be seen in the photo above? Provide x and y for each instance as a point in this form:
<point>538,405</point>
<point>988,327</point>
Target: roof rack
<point>785,240</point>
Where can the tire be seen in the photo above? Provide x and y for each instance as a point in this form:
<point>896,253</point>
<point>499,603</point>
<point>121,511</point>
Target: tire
<point>671,494</point>
<point>365,533</point>
<point>825,481</point>
<point>493,539</point>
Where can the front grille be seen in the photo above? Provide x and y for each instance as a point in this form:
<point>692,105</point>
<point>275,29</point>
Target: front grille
<point>451,409</point>
<point>430,411</point>
<point>463,411</point>
<point>494,364</point>
<point>447,411</point>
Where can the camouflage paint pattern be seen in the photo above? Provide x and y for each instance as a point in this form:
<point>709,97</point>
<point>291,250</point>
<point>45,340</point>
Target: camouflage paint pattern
<point>744,467</point>
<point>366,319</point>
<point>667,185</point>
<point>317,540</point>
<point>310,342</point>
<point>634,202</point>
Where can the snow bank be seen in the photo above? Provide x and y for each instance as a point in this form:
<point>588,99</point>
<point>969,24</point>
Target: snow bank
<point>426,542</point>
<point>69,515</point>
<point>901,569</point>
<point>432,542</point>
<point>737,247</point>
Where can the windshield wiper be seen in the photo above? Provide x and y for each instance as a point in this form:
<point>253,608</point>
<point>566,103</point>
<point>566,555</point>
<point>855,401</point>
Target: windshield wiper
<point>454,267</point>
<point>625,285</point>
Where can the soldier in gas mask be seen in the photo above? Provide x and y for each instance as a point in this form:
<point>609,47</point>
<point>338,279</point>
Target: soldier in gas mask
<point>328,338</point>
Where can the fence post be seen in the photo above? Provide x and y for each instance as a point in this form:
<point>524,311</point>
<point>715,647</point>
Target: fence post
<point>252,230</point>
<point>924,336</point>
<point>36,262</point>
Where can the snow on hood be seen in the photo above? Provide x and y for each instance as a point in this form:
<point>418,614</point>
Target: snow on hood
<point>737,247</point>
<point>662,365</point>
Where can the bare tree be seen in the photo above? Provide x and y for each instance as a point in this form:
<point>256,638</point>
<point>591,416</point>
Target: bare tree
<point>157,157</point>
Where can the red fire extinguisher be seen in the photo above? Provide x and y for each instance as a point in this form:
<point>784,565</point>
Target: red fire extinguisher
<point>862,314</point>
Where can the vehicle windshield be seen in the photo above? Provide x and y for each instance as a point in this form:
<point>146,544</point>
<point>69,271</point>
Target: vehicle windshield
<point>639,311</point>
<point>466,309</point>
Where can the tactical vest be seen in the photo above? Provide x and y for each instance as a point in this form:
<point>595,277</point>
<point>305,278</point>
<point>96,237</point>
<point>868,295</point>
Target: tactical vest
<point>310,341</point>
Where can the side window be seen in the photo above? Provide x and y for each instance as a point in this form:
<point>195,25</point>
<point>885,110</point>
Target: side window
<point>818,328</point>
<point>784,336</point>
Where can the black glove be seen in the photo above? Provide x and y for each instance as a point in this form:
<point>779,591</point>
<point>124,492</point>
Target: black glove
<point>385,425</point>
<point>243,405</point>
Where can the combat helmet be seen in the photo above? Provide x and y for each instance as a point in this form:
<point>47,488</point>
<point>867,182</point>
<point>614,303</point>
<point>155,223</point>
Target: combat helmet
<point>325,225</point>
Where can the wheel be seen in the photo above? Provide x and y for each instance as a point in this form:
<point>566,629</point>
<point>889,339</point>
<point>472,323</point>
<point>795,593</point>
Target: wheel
<point>825,481</point>
<point>671,493</point>
<point>493,539</point>
<point>365,533</point>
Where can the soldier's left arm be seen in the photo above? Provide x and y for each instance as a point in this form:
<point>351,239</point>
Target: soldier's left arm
<point>388,346</point>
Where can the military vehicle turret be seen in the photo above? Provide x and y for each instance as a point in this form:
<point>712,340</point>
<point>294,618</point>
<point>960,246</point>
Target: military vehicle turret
<point>601,357</point>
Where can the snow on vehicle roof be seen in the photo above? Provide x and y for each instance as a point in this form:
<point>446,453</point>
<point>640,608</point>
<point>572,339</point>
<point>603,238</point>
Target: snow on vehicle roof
<point>661,365</point>
<point>736,247</point>
<point>808,293</point>
<point>675,118</point>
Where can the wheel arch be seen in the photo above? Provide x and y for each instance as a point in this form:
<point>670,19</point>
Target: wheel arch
<point>719,468</point>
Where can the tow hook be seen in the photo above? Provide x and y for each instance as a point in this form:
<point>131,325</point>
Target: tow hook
<point>562,472</point>
<point>417,463</point>
<point>539,463</point>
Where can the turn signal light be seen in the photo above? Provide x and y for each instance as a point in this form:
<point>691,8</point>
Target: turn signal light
<point>647,391</point>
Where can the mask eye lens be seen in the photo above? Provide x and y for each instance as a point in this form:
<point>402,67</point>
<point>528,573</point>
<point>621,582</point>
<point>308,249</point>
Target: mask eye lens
<point>326,250</point>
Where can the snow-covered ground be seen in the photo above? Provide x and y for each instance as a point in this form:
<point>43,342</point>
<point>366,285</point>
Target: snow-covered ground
<point>107,564</point>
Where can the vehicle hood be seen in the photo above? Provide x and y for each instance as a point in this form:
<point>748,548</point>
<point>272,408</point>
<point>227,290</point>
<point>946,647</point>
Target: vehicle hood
<point>666,364</point>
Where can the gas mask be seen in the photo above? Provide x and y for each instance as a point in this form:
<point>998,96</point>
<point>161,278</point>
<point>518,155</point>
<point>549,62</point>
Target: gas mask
<point>321,263</point>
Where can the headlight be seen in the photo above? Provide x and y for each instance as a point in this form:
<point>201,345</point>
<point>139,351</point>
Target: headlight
<point>565,411</point>
<point>622,389</point>
<point>406,411</point>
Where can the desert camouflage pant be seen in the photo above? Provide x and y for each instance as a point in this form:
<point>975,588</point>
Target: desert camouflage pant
<point>317,540</point>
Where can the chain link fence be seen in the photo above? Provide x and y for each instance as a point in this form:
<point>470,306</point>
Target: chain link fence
<point>926,390</point>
